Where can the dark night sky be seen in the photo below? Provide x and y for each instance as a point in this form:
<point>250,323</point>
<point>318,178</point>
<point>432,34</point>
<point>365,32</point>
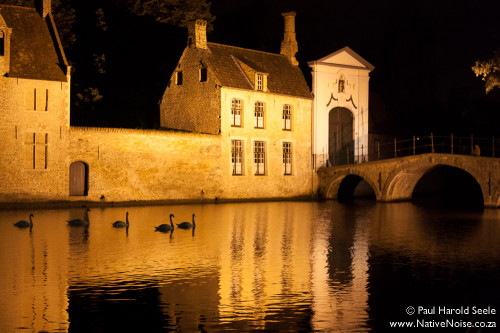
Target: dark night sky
<point>422,50</point>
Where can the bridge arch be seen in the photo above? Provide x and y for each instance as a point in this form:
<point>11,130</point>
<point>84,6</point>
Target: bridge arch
<point>344,184</point>
<point>401,182</point>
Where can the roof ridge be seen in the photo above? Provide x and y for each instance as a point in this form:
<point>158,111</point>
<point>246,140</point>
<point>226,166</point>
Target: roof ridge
<point>247,49</point>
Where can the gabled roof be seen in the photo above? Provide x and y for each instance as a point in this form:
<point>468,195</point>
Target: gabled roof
<point>231,66</point>
<point>34,51</point>
<point>345,57</point>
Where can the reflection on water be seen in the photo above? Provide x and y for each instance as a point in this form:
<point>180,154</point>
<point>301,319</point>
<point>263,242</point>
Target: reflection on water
<point>292,266</point>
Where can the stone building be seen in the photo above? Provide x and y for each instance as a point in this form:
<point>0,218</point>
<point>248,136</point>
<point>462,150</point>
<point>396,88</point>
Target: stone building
<point>340,82</point>
<point>34,103</point>
<point>242,121</point>
<point>257,102</point>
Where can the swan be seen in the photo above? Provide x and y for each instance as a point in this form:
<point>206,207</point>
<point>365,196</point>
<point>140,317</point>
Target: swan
<point>80,222</point>
<point>121,224</point>
<point>25,224</point>
<point>166,227</point>
<point>186,225</point>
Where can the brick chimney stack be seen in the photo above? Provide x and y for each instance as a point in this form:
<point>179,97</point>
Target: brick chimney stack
<point>43,7</point>
<point>197,34</point>
<point>289,46</point>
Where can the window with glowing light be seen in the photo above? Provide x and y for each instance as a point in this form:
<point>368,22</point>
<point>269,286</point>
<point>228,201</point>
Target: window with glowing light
<point>236,112</point>
<point>259,154</point>
<point>287,117</point>
<point>237,157</point>
<point>287,158</point>
<point>260,82</point>
<point>259,115</point>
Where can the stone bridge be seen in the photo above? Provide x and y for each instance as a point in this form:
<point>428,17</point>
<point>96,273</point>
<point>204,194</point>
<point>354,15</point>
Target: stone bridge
<point>395,179</point>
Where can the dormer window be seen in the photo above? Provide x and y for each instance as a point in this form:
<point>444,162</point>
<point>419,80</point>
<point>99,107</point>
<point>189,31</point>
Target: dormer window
<point>260,82</point>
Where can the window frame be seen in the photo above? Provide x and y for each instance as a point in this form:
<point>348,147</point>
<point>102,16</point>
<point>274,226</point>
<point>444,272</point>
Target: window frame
<point>287,117</point>
<point>259,82</point>
<point>287,158</point>
<point>259,114</point>
<point>237,157</point>
<point>178,78</point>
<point>259,155</point>
<point>236,115</point>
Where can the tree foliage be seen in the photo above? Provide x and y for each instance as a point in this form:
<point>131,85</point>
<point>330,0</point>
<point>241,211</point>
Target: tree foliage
<point>489,71</point>
<point>175,12</point>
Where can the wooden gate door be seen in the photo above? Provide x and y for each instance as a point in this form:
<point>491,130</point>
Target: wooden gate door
<point>78,178</point>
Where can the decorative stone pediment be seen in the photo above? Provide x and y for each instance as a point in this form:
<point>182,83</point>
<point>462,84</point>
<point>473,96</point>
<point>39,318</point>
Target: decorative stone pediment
<point>346,57</point>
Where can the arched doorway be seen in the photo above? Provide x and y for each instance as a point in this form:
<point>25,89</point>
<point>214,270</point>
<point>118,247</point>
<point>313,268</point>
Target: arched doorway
<point>340,136</point>
<point>78,178</point>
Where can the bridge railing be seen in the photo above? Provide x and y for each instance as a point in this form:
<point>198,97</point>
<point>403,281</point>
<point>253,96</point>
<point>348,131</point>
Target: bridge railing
<point>460,145</point>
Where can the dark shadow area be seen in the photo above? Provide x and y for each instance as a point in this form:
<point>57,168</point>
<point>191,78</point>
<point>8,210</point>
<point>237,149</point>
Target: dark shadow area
<point>448,187</point>
<point>354,187</point>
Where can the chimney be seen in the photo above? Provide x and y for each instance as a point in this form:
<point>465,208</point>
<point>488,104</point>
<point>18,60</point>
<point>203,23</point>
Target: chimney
<point>43,7</point>
<point>289,46</point>
<point>197,34</point>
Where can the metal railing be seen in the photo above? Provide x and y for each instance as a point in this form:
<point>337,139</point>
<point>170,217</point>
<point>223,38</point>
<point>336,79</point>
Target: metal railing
<point>450,144</point>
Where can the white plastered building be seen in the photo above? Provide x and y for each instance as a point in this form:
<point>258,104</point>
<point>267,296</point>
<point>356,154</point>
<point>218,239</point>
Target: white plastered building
<point>340,84</point>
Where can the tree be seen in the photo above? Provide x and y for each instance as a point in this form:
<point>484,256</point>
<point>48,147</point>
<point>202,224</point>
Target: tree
<point>489,70</point>
<point>174,12</point>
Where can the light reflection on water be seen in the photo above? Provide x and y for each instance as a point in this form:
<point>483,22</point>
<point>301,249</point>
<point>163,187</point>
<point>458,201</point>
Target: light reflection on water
<point>292,266</point>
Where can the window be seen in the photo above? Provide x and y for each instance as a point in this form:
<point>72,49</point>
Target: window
<point>260,82</point>
<point>236,112</point>
<point>259,115</point>
<point>259,155</point>
<point>2,41</point>
<point>236,157</point>
<point>36,99</point>
<point>36,149</point>
<point>178,78</point>
<point>203,74</point>
<point>341,84</point>
<point>287,158</point>
<point>287,117</point>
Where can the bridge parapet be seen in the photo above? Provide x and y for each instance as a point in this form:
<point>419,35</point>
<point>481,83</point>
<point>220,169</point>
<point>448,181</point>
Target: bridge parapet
<point>395,179</point>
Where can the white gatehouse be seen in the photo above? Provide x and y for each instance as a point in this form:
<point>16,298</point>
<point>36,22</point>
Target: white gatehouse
<point>340,85</point>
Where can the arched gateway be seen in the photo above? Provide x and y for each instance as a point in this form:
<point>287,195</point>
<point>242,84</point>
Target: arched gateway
<point>340,108</point>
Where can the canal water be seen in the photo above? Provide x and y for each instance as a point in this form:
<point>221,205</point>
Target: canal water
<point>277,266</point>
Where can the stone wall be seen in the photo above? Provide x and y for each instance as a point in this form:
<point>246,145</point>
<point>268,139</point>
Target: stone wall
<point>137,165</point>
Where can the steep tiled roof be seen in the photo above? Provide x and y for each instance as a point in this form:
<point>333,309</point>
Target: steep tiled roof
<point>33,52</point>
<point>283,77</point>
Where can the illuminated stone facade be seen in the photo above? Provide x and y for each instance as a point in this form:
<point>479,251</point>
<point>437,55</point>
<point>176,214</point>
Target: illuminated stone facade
<point>259,105</point>
<point>34,100</point>
<point>340,109</point>
<point>43,159</point>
